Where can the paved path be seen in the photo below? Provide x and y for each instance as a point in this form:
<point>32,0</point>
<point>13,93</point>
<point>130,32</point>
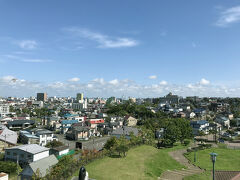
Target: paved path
<point>180,174</point>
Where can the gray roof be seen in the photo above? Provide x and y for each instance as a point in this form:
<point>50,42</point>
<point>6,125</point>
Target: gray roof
<point>31,148</point>
<point>125,130</point>
<point>8,135</point>
<point>44,164</point>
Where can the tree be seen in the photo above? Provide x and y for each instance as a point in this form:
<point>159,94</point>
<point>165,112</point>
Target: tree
<point>122,146</point>
<point>110,145</point>
<point>54,144</point>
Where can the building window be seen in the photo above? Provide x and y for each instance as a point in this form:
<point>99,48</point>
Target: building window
<point>22,155</point>
<point>29,156</point>
<point>14,154</point>
<point>8,153</point>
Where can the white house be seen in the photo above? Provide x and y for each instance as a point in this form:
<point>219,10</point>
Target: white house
<point>45,136</point>
<point>4,110</point>
<point>201,125</point>
<point>26,153</point>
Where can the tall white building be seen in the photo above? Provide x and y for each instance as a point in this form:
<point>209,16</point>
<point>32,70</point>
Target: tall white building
<point>4,110</point>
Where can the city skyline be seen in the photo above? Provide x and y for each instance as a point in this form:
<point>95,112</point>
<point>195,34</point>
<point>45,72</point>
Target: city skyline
<point>107,48</point>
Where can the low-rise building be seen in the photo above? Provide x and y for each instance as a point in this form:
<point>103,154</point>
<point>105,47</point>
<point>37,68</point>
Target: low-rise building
<point>26,153</point>
<point>41,166</point>
<point>8,138</point>
<point>201,125</point>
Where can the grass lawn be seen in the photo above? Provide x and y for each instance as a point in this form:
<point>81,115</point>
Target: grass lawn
<point>227,159</point>
<point>143,162</point>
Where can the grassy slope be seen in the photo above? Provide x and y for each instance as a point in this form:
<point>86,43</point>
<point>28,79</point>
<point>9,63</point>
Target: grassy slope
<point>227,159</point>
<point>144,162</point>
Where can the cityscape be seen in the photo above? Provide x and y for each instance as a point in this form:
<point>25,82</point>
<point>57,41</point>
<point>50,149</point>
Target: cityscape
<point>119,90</point>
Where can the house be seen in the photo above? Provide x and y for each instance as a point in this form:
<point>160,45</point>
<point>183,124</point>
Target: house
<point>3,176</point>
<point>5,120</point>
<point>59,151</point>
<point>26,137</point>
<point>45,136</point>
<point>26,153</point>
<point>52,120</point>
<point>8,138</point>
<point>20,124</point>
<point>190,115</point>
<point>41,166</point>
<point>125,131</point>
<point>130,121</point>
<point>66,124</point>
<point>78,131</point>
<point>4,110</point>
<point>224,121</point>
<point>201,125</point>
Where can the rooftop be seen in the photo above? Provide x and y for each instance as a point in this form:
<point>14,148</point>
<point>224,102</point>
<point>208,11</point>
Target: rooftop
<point>31,148</point>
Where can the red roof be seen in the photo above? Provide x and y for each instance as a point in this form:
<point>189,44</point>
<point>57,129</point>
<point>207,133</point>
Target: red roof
<point>96,121</point>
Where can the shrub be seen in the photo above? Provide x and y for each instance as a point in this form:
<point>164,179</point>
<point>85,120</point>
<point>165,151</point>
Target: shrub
<point>186,142</point>
<point>8,167</point>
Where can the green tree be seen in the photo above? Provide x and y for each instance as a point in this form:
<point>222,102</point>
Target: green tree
<point>54,144</point>
<point>111,145</point>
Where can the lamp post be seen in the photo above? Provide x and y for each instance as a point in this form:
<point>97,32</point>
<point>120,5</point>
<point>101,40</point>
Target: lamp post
<point>194,149</point>
<point>213,158</point>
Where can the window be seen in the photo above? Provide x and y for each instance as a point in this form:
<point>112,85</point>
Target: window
<point>29,156</point>
<point>22,155</point>
<point>8,153</point>
<point>14,154</point>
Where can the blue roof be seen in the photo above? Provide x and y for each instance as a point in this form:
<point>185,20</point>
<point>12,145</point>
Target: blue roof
<point>69,121</point>
<point>200,122</point>
<point>69,115</point>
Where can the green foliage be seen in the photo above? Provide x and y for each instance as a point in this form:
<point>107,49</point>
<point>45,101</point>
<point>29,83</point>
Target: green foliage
<point>8,167</point>
<point>54,144</point>
<point>111,145</point>
<point>186,142</point>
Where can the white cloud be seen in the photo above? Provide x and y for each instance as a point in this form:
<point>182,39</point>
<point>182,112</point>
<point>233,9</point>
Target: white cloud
<point>229,16</point>
<point>23,59</point>
<point>163,83</point>
<point>75,79</point>
<point>13,86</point>
<point>114,82</point>
<point>27,44</point>
<point>204,82</point>
<point>152,77</point>
<point>36,60</point>
<point>104,41</point>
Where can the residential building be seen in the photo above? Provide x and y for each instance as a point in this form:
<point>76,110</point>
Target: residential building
<point>8,138</point>
<point>130,121</point>
<point>43,166</point>
<point>59,151</point>
<point>26,137</point>
<point>78,132</point>
<point>26,153</point>
<point>4,110</point>
<point>20,124</point>
<point>45,136</point>
<point>3,176</point>
<point>42,97</point>
<point>79,106</point>
<point>224,121</point>
<point>201,125</point>
<point>66,124</point>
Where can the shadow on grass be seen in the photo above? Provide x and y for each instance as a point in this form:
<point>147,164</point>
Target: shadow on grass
<point>115,156</point>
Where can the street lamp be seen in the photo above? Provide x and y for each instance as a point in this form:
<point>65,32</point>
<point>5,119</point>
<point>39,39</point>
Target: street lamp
<point>213,158</point>
<point>194,149</point>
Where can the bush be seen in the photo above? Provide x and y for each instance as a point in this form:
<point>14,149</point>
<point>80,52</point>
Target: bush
<point>8,167</point>
<point>186,142</point>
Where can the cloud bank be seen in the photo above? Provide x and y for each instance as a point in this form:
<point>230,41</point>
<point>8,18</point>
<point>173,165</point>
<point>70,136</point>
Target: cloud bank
<point>12,86</point>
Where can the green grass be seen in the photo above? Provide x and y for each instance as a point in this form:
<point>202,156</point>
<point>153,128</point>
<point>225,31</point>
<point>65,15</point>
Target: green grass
<point>143,162</point>
<point>203,176</point>
<point>227,159</point>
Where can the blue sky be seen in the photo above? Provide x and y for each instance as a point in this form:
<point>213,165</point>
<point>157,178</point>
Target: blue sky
<point>134,48</point>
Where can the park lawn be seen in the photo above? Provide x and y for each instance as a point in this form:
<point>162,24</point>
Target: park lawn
<point>143,162</point>
<point>227,159</point>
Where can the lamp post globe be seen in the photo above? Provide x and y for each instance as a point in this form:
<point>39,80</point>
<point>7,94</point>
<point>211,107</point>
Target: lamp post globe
<point>213,158</point>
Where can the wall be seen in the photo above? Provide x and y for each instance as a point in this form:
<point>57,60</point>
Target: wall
<point>40,155</point>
